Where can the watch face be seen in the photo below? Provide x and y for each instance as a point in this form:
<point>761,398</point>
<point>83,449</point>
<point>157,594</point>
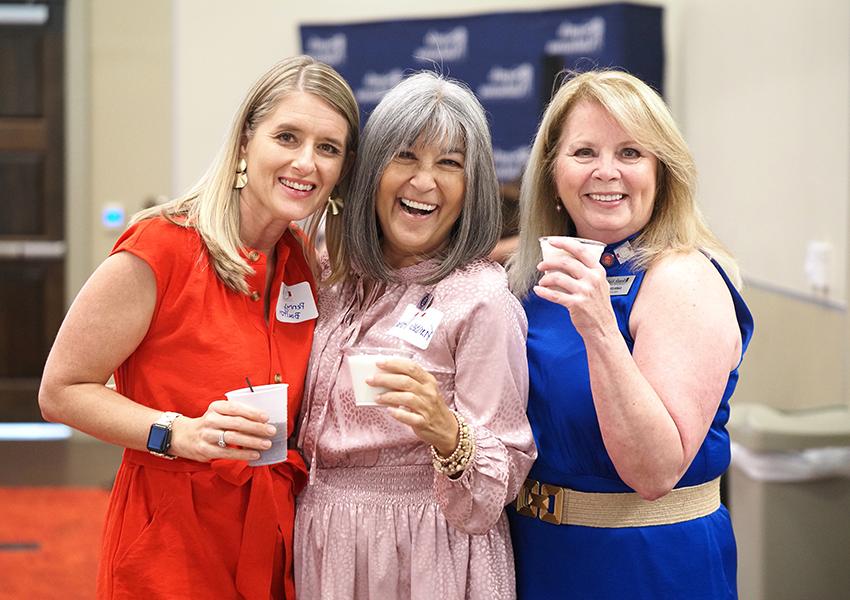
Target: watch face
<point>158,439</point>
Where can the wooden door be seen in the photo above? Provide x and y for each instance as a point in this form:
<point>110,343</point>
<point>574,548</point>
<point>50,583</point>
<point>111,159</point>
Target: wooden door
<point>32,239</point>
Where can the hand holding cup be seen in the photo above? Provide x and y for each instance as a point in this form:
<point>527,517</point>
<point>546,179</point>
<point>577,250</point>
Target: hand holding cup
<point>271,400</point>
<point>574,278</point>
<point>245,430</point>
<point>363,365</point>
<point>413,397</point>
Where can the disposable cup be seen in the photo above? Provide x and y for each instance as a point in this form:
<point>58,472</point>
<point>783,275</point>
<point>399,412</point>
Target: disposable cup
<point>363,364</point>
<point>549,251</point>
<point>272,400</point>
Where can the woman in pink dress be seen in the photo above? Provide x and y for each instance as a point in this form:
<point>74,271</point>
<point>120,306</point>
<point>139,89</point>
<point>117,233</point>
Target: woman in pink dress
<point>406,499</point>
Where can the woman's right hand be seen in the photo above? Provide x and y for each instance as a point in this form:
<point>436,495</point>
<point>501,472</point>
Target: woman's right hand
<point>246,433</point>
<point>578,283</point>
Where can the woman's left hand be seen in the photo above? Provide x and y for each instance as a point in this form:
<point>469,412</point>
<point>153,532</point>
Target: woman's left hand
<point>578,283</point>
<point>415,400</point>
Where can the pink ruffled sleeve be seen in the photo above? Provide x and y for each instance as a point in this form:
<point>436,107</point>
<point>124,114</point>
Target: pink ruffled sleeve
<point>491,392</point>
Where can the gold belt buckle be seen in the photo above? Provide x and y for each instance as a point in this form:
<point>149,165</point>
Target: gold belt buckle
<point>533,501</point>
<point>524,501</point>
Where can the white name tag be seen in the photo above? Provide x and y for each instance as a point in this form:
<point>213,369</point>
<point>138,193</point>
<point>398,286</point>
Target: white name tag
<point>620,286</point>
<point>417,326</point>
<point>295,303</point>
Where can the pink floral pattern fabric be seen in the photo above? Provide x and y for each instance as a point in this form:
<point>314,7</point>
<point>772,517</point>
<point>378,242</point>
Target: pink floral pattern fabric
<point>376,520</point>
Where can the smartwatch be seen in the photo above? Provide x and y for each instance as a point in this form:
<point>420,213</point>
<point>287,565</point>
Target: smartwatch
<point>159,438</point>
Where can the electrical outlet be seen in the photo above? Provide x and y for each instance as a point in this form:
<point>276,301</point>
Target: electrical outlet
<point>817,265</point>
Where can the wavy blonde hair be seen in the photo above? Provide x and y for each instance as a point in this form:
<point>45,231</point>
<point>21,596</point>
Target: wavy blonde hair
<point>676,223</point>
<point>211,206</point>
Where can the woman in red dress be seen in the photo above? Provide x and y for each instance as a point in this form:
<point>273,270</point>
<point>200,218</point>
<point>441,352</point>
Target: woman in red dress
<point>183,310</point>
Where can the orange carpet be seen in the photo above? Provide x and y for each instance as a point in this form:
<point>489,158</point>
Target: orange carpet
<point>49,542</point>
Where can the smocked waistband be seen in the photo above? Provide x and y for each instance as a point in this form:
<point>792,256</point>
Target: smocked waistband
<point>384,485</point>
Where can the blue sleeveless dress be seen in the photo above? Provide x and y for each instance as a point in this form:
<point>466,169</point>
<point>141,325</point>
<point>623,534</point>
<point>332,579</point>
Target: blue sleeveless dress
<point>690,560</point>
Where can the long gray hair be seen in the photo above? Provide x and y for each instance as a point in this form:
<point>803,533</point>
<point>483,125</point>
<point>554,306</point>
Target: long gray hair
<point>431,109</point>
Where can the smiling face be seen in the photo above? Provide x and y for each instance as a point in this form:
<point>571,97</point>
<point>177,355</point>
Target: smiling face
<point>419,199</point>
<point>605,179</point>
<point>295,157</point>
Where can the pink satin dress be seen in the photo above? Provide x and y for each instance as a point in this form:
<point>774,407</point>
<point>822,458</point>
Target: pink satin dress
<point>376,519</point>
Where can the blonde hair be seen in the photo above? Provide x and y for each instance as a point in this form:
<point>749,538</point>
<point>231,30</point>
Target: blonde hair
<point>676,223</point>
<point>211,206</point>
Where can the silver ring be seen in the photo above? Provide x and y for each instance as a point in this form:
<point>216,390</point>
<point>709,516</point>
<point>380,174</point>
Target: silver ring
<point>221,442</point>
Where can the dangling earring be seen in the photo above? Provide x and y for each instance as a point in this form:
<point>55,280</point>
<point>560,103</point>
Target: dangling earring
<point>558,204</point>
<point>335,205</point>
<point>241,174</point>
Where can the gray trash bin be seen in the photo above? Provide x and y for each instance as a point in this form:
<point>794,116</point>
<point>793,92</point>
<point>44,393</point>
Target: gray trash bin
<point>789,497</point>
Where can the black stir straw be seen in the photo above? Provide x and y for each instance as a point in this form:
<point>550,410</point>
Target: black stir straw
<point>249,383</point>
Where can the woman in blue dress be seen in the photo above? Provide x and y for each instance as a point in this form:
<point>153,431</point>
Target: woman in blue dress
<point>632,356</point>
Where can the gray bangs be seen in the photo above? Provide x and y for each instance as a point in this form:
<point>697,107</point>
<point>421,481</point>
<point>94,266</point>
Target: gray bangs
<point>440,128</point>
<point>426,119</point>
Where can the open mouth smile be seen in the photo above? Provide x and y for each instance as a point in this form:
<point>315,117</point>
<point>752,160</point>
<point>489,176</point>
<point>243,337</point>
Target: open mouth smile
<point>416,208</point>
<point>300,187</point>
<point>606,197</point>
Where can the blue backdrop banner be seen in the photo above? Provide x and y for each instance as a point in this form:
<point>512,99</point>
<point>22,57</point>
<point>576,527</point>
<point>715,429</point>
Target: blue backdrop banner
<point>510,60</point>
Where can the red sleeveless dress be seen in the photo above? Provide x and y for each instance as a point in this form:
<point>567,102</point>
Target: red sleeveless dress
<point>184,529</point>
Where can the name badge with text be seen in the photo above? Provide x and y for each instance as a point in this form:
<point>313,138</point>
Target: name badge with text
<point>295,303</point>
<point>417,326</point>
<point>620,286</point>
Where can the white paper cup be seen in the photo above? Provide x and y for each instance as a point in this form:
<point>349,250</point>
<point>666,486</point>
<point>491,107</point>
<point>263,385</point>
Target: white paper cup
<point>549,251</point>
<point>272,400</point>
<point>363,364</point>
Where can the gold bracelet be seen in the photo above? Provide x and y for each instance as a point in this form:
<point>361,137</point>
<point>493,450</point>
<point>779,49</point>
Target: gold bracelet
<point>463,432</point>
<point>462,454</point>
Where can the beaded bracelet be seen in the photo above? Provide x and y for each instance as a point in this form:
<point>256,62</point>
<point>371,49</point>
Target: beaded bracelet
<point>463,452</point>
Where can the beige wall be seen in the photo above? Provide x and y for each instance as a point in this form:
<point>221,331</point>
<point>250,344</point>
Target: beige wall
<point>761,90</point>
<point>765,97</point>
<point>119,126</point>
<point>765,105</point>
<point>797,356</point>
<point>77,148</point>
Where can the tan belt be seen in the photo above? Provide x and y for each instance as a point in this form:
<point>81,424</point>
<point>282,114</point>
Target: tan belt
<point>563,506</point>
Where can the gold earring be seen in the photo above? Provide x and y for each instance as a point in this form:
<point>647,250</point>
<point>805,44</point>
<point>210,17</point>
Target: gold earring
<point>241,174</point>
<point>335,205</point>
